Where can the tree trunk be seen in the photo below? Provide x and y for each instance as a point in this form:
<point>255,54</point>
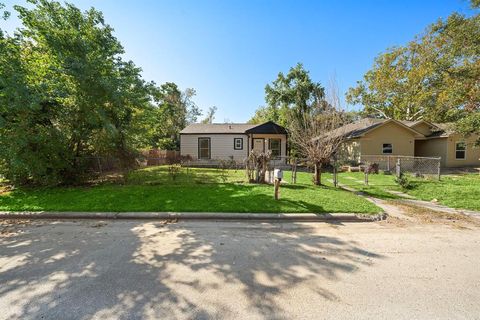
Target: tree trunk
<point>317,175</point>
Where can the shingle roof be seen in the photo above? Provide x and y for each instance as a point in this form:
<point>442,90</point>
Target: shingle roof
<point>203,128</point>
<point>235,128</point>
<point>444,130</point>
<point>357,128</point>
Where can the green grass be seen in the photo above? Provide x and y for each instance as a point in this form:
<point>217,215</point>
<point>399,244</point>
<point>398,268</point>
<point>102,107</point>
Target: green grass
<point>198,190</point>
<point>456,191</point>
<point>378,184</point>
<point>461,191</point>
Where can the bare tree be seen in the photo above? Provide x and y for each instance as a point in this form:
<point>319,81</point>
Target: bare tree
<point>319,134</point>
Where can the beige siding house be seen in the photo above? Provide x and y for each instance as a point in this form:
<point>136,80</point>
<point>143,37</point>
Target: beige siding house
<point>229,141</point>
<point>383,137</point>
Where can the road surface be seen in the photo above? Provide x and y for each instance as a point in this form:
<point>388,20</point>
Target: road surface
<point>238,270</point>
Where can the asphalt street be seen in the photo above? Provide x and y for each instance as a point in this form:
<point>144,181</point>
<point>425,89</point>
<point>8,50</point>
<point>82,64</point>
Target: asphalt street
<point>90,269</point>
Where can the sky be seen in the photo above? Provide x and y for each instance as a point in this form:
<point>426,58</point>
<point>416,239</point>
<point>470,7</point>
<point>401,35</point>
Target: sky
<point>229,50</point>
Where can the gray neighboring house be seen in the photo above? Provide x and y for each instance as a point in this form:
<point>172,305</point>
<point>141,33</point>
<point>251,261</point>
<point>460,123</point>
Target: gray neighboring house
<point>232,141</point>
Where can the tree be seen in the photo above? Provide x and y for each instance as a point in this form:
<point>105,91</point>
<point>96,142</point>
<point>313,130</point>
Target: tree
<point>318,138</point>
<point>434,77</point>
<point>65,95</point>
<point>210,115</point>
<point>289,96</point>
<point>319,134</point>
<point>470,125</point>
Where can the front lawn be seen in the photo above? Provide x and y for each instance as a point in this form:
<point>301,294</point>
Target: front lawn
<point>193,190</point>
<point>456,191</point>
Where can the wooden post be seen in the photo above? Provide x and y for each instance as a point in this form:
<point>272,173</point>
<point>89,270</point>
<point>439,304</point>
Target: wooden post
<point>294,173</point>
<point>366,176</point>
<point>276,188</point>
<point>335,173</point>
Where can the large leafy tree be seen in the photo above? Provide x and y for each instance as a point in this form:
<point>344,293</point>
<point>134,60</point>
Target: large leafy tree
<point>65,94</point>
<point>434,77</point>
<point>290,95</point>
<point>170,111</point>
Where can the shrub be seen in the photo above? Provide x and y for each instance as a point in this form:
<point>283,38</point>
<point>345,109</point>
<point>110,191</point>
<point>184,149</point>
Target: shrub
<point>403,181</point>
<point>173,171</point>
<point>372,168</point>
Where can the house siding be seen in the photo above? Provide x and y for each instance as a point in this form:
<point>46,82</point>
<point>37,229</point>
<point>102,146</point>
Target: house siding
<point>402,140</point>
<point>221,146</point>
<point>472,153</point>
<point>432,148</point>
<point>423,128</point>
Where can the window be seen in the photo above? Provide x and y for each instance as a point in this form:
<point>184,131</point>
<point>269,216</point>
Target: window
<point>203,148</point>
<point>460,150</point>
<point>275,145</point>
<point>238,143</point>
<point>387,148</point>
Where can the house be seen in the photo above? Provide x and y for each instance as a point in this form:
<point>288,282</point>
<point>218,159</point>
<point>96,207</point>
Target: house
<point>232,141</point>
<point>375,137</point>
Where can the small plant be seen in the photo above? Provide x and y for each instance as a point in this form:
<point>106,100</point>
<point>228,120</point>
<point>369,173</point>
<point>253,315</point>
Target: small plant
<point>256,166</point>
<point>403,181</point>
<point>372,168</point>
<point>174,170</point>
<point>223,165</point>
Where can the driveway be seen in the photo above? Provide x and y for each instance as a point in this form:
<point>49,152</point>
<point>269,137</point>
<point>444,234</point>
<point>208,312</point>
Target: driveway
<point>238,270</point>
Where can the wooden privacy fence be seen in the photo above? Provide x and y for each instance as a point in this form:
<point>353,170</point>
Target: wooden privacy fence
<point>156,157</point>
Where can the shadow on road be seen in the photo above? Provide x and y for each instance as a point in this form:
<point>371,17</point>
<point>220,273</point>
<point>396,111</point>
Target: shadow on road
<point>124,269</point>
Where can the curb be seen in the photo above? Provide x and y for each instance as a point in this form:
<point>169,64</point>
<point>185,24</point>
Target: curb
<point>326,217</point>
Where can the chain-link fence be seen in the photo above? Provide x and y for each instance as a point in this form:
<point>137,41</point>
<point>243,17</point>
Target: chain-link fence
<point>397,164</point>
<point>391,163</point>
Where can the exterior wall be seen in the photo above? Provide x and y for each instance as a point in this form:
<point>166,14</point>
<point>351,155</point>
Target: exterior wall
<point>221,146</point>
<point>271,136</point>
<point>423,128</point>
<point>436,147</point>
<point>350,151</point>
<point>402,140</point>
<point>472,153</point>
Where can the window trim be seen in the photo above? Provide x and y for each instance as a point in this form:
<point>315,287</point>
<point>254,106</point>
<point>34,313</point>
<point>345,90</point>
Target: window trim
<point>235,143</point>
<point>209,148</point>
<point>383,148</point>
<point>464,150</point>
<point>279,146</point>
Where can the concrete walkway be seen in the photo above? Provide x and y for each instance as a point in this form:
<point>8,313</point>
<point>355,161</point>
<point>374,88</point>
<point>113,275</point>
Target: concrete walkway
<point>393,210</point>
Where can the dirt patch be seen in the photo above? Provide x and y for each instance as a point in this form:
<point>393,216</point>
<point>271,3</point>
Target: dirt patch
<point>429,216</point>
<point>396,221</point>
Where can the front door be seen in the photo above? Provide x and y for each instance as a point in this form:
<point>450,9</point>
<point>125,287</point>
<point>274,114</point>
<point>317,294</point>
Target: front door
<point>259,145</point>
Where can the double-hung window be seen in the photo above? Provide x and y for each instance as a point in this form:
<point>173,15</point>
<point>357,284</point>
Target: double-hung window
<point>275,145</point>
<point>238,143</point>
<point>460,151</point>
<point>387,148</point>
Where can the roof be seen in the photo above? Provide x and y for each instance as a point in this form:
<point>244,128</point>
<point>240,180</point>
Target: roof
<point>267,127</point>
<point>444,130</point>
<point>233,128</point>
<point>359,128</point>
